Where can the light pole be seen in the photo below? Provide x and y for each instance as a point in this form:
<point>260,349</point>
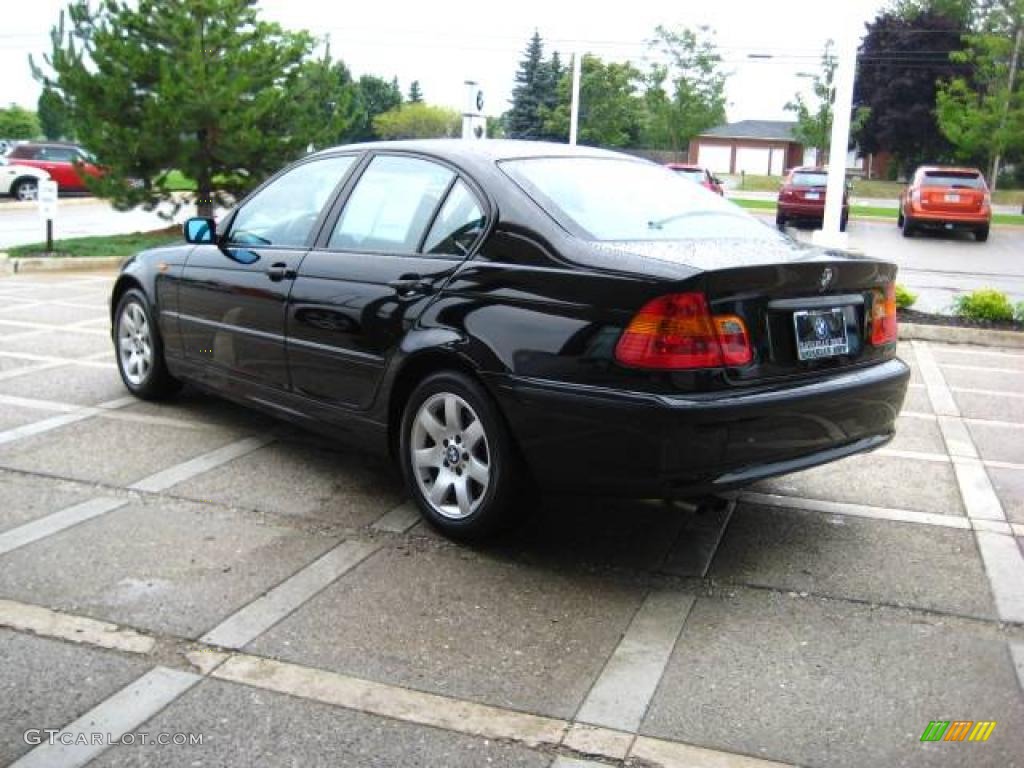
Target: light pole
<point>574,113</point>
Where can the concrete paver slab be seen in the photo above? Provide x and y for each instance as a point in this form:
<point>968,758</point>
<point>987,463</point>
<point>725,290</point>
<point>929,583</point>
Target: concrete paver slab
<point>827,683</point>
<point>76,384</point>
<point>166,566</point>
<point>27,498</point>
<point>1009,487</point>
<point>920,566</point>
<point>976,405</point>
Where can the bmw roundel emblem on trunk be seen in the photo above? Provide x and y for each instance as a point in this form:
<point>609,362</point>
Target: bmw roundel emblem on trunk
<point>821,328</point>
<point>826,277</point>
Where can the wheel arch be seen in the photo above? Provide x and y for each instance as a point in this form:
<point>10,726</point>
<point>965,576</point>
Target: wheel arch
<point>125,282</point>
<point>26,177</point>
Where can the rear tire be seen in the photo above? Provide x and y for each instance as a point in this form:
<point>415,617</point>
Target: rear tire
<point>908,227</point>
<point>843,222</point>
<point>981,234</point>
<point>899,218</point>
<point>780,222</point>
<point>458,459</point>
<point>139,350</point>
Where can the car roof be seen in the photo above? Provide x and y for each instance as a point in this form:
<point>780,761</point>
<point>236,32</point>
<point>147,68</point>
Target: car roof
<point>684,166</point>
<point>809,169</point>
<point>489,149</point>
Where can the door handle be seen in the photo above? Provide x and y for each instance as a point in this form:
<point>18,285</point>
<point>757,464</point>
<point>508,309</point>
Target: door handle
<point>410,284</point>
<point>279,271</point>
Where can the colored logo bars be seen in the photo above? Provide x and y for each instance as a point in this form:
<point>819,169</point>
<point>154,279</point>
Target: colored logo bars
<point>958,730</point>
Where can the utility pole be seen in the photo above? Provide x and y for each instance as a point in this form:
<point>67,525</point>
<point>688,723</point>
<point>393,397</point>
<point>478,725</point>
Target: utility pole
<point>574,112</point>
<point>1009,98</point>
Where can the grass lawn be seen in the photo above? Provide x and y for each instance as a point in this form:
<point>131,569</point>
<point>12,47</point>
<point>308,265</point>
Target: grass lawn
<point>872,212</point>
<point>112,245</point>
<point>883,190</point>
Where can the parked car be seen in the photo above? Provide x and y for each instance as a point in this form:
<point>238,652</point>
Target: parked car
<point>940,197</point>
<point>699,174</point>
<point>20,181</point>
<point>802,198</point>
<point>69,165</point>
<point>501,315</point>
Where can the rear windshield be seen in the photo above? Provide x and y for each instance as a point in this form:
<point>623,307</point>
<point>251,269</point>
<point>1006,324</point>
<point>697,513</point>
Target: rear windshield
<point>965,179</point>
<point>802,179</point>
<point>612,199</point>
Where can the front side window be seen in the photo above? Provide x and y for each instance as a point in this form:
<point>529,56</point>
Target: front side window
<point>457,225</point>
<point>391,205</point>
<point>612,199</point>
<point>283,213</point>
<point>58,154</point>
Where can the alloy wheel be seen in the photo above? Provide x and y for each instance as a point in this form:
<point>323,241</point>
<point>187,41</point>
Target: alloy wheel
<point>27,192</point>
<point>450,457</point>
<point>134,343</point>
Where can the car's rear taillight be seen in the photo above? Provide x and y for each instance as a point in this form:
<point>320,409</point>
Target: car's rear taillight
<point>678,331</point>
<point>987,200</point>
<point>883,316</point>
<point>786,193</point>
<point>915,195</point>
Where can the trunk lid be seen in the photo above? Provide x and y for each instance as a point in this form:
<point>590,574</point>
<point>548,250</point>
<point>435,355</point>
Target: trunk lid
<point>952,192</point>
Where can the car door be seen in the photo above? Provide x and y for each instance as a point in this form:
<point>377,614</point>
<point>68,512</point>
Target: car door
<point>406,225</point>
<point>231,299</point>
<point>57,161</point>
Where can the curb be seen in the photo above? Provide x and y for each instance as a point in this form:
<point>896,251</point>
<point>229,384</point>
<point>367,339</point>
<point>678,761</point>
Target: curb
<point>9,266</point>
<point>25,205</point>
<point>948,334</point>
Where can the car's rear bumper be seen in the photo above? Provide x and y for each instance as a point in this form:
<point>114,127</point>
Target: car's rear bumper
<point>589,439</point>
<point>809,211</point>
<point>926,218</point>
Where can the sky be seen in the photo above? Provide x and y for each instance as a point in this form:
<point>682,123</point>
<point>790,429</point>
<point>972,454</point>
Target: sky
<point>443,44</point>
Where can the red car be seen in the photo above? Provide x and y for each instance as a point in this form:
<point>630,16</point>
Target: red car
<point>700,175</point>
<point>69,165</point>
<point>802,198</point>
<point>946,198</point>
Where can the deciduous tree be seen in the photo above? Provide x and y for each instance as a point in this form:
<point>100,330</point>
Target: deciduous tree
<point>814,118</point>
<point>18,123</point>
<point>416,120</point>
<point>610,110</point>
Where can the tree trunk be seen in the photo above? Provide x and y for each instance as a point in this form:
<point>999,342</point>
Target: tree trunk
<point>204,180</point>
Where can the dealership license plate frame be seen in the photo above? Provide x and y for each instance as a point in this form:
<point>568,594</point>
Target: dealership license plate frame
<point>810,346</point>
<point>952,197</point>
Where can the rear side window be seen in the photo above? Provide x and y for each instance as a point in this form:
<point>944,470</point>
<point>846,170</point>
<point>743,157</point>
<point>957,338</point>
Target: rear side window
<point>391,206</point>
<point>801,179</point>
<point>458,224</point>
<point>963,179</point>
<point>25,153</point>
<point>694,174</point>
<point>57,154</point>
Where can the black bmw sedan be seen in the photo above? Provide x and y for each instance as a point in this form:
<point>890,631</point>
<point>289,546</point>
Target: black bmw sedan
<point>503,315</point>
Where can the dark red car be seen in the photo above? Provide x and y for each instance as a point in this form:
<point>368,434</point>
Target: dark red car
<point>802,198</point>
<point>68,164</point>
<point>700,175</point>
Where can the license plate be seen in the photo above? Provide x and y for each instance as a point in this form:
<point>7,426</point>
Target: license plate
<point>812,196</point>
<point>820,333</point>
<point>952,198</point>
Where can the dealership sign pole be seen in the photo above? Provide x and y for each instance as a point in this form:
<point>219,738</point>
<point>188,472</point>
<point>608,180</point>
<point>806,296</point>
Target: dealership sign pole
<point>829,235</point>
<point>47,194</point>
<point>574,112</point>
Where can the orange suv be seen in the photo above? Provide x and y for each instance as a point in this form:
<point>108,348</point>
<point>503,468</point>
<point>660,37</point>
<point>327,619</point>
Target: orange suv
<point>802,198</point>
<point>946,198</point>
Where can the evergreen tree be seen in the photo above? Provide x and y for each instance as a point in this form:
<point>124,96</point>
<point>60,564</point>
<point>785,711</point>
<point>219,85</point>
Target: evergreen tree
<point>375,97</point>
<point>523,120</point>
<point>201,86</point>
<point>53,118</point>
<point>415,94</point>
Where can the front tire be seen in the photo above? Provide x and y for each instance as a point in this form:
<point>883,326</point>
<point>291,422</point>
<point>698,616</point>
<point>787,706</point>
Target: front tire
<point>139,349</point>
<point>26,190</point>
<point>458,459</point>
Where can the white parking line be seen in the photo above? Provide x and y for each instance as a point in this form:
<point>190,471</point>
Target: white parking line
<point>122,713</point>
<point>982,369</point>
<point>986,392</point>
<point>937,458</point>
<point>57,522</point>
<point>41,621</point>
<point>941,398</point>
<point>391,701</point>
<point>856,510</point>
<point>45,425</point>
<point>980,499</point>
<point>400,519</point>
<point>594,740</point>
<point>34,358</point>
<point>1017,654</point>
<point>1004,566</point>
<point>244,626</point>
<point>671,754</point>
<point>186,470</point>
<point>621,695</point>
<point>572,762</point>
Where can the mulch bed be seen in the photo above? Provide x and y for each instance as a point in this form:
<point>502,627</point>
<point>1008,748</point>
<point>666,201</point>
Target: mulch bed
<point>927,318</point>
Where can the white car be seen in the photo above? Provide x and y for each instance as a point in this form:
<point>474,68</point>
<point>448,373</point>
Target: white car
<point>20,181</point>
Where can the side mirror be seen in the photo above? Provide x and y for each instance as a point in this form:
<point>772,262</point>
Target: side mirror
<point>199,231</point>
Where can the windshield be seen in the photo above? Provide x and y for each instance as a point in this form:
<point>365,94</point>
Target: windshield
<point>694,174</point>
<point>953,179</point>
<point>613,199</point>
<point>802,179</point>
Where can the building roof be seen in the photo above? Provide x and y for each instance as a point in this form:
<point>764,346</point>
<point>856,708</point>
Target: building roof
<point>764,130</point>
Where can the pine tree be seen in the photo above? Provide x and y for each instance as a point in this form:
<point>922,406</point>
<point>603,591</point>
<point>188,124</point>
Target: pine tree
<point>524,120</point>
<point>415,94</point>
<point>53,118</point>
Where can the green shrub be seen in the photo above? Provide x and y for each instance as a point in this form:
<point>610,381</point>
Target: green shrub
<point>1018,312</point>
<point>904,298</point>
<point>984,304</point>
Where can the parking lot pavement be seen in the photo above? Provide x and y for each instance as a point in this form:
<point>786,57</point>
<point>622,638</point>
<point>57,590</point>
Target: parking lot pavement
<point>191,570</point>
